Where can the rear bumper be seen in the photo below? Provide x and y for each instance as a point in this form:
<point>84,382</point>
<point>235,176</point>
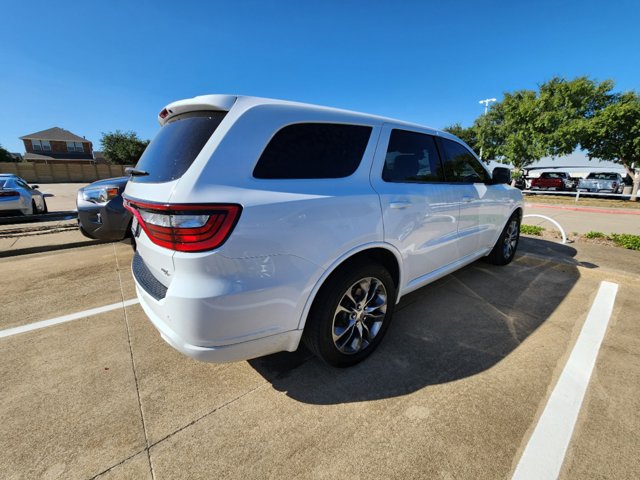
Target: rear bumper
<point>218,309</point>
<point>10,204</point>
<point>286,341</point>
<point>596,190</point>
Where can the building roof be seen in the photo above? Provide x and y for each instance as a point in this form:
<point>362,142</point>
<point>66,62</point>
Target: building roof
<point>55,134</point>
<point>36,156</point>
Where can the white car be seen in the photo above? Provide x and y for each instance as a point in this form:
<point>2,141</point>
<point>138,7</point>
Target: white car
<point>260,223</point>
<point>16,195</point>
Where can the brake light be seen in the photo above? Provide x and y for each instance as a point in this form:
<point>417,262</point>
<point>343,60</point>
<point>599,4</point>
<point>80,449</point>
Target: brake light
<point>614,184</point>
<point>185,227</point>
<point>10,193</point>
<point>164,113</point>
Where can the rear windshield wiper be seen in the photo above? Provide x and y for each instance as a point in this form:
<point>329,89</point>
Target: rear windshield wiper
<point>135,172</point>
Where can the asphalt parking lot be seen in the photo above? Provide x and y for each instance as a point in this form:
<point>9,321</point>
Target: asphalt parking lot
<point>455,391</point>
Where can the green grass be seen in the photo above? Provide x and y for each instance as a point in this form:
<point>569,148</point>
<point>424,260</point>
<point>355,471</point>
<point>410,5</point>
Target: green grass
<point>632,242</point>
<point>531,230</point>
<point>625,240</point>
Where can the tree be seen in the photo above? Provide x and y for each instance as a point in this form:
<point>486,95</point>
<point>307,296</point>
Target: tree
<point>5,156</point>
<point>508,130</point>
<point>124,148</point>
<point>613,134</point>
<point>527,125</point>
<point>467,135</point>
<point>565,108</point>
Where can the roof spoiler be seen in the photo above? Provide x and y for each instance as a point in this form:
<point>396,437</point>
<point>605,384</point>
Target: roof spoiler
<point>221,103</point>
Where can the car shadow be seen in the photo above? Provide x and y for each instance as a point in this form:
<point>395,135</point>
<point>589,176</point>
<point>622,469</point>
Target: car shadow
<point>454,328</point>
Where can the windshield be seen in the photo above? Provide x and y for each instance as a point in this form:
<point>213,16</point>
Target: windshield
<point>176,146</point>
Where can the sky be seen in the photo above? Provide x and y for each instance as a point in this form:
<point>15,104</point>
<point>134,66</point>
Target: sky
<point>93,67</point>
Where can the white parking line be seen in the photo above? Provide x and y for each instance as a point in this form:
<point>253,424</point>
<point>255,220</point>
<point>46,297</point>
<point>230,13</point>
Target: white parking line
<point>545,452</point>
<point>66,318</point>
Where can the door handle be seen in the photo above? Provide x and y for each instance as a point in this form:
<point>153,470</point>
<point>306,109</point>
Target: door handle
<point>399,205</point>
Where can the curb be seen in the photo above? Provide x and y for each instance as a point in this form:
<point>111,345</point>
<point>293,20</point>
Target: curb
<point>51,248</point>
<point>41,217</point>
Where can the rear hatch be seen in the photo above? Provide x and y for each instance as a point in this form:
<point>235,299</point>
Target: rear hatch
<point>172,152</point>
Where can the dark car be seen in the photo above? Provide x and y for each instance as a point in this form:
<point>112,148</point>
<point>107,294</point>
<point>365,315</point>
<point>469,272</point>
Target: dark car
<point>101,214</point>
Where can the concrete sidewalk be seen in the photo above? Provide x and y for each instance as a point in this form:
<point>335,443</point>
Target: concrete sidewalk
<point>583,220</point>
<point>64,195</point>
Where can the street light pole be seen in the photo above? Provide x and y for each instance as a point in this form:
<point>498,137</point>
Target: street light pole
<point>486,103</point>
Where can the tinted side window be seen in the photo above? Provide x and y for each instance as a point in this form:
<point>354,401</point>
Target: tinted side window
<point>313,150</point>
<point>460,165</point>
<point>412,157</point>
<point>176,146</point>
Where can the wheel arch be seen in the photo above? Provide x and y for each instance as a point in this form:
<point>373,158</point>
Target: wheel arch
<point>382,253</point>
<point>517,210</point>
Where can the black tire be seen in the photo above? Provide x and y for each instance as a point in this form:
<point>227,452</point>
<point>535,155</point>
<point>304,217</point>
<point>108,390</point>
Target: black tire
<point>505,248</point>
<point>34,208</point>
<point>324,318</point>
<point>45,209</point>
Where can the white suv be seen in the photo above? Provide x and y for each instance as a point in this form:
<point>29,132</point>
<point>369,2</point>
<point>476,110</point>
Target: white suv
<point>261,223</point>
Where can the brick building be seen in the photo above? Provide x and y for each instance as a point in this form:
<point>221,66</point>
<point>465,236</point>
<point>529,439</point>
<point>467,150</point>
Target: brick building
<point>57,145</point>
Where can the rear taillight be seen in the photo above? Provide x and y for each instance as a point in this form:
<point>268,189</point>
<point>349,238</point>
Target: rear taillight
<point>10,193</point>
<point>614,184</point>
<point>185,227</point>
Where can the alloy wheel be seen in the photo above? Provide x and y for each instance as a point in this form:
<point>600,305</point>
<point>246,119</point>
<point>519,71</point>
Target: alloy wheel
<point>359,315</point>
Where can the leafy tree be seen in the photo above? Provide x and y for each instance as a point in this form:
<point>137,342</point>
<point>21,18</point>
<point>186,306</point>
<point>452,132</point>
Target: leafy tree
<point>124,148</point>
<point>5,156</point>
<point>527,125</point>
<point>509,130</point>
<point>560,116</point>
<point>565,108</point>
<point>467,135</point>
<point>613,133</point>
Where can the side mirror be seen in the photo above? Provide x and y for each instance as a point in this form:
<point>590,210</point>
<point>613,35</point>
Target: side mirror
<point>35,186</point>
<point>501,175</point>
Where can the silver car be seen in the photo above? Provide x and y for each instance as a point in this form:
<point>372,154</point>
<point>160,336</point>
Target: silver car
<point>17,196</point>
<point>602,182</point>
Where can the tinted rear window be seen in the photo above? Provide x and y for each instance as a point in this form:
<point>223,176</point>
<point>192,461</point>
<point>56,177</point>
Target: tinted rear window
<point>2,183</point>
<point>176,146</point>
<point>313,150</point>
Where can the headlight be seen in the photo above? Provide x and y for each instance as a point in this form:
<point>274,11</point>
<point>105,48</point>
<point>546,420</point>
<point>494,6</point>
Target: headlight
<point>100,194</point>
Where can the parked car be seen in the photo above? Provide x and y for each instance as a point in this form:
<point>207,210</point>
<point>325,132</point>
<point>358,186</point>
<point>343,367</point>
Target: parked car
<point>560,181</point>
<point>260,223</point>
<point>101,214</point>
<point>602,182</point>
<point>17,196</point>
